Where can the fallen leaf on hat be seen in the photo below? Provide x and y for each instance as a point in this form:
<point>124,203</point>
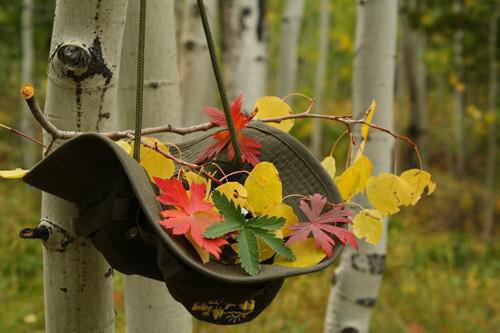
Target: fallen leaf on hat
<point>155,164</point>
<point>271,107</point>
<point>191,214</point>
<point>13,174</point>
<point>321,225</point>
<point>249,148</point>
<point>368,223</point>
<point>306,254</point>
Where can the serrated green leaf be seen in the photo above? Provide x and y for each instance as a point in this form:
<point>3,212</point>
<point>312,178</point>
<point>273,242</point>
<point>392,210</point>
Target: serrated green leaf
<point>220,229</point>
<point>275,243</point>
<point>249,251</point>
<point>266,222</point>
<point>227,208</point>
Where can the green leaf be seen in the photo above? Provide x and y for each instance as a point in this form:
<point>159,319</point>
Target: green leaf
<point>266,222</point>
<point>227,208</point>
<point>275,243</point>
<point>249,251</point>
<point>220,229</point>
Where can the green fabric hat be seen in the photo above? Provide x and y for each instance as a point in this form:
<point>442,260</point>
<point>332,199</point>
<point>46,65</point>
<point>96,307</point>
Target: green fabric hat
<point>119,213</point>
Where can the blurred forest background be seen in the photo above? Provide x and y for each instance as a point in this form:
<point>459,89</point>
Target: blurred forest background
<point>443,260</point>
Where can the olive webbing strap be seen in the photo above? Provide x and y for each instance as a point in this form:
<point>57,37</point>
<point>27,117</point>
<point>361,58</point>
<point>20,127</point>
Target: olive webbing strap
<point>139,98</point>
<point>220,82</point>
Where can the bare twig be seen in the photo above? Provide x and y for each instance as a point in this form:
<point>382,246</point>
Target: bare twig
<point>21,134</point>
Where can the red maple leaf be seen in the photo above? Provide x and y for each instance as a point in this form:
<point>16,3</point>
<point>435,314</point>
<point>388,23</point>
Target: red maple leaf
<point>191,214</point>
<point>321,225</point>
<point>249,148</point>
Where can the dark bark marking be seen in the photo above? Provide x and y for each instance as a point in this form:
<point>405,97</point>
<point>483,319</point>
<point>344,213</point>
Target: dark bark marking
<point>367,302</point>
<point>109,273</point>
<point>261,24</point>
<point>64,290</point>
<point>349,330</point>
<point>375,263</point>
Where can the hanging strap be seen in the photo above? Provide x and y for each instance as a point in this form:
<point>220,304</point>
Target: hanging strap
<point>139,97</point>
<point>220,82</point>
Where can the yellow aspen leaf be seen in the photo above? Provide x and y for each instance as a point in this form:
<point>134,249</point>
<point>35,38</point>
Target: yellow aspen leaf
<point>202,253</point>
<point>271,107</point>
<point>235,192</point>
<point>283,210</point>
<point>156,164</point>
<point>306,255</point>
<point>329,164</point>
<point>125,146</point>
<point>364,127</point>
<point>13,174</point>
<point>418,180</point>
<point>193,177</point>
<point>263,187</point>
<point>387,192</point>
<point>368,223</point>
<point>353,180</point>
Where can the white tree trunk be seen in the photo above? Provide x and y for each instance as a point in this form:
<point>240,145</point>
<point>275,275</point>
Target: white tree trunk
<point>197,78</point>
<point>149,308</point>
<point>289,47</point>
<point>319,81</point>
<point>27,45</point>
<point>230,44</point>
<point>492,134</point>
<point>252,66</point>
<point>359,275</point>
<point>81,95</point>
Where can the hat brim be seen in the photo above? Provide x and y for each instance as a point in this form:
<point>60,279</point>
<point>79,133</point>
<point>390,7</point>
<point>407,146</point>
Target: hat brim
<point>83,165</point>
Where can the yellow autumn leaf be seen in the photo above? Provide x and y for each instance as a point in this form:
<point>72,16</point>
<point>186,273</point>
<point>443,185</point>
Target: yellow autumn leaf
<point>306,255</point>
<point>387,192</point>
<point>271,107</point>
<point>285,211</point>
<point>125,146</point>
<point>193,177</point>
<point>418,180</point>
<point>13,174</point>
<point>263,187</point>
<point>353,180</point>
<point>368,223</point>
<point>235,192</point>
<point>156,164</point>
<point>364,127</point>
<point>202,253</point>
<point>329,164</point>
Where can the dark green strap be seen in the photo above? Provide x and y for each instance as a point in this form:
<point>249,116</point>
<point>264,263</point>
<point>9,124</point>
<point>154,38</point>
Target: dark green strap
<point>220,82</point>
<point>139,98</point>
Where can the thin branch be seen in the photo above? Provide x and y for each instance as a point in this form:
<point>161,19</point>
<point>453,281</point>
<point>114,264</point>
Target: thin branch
<point>21,134</point>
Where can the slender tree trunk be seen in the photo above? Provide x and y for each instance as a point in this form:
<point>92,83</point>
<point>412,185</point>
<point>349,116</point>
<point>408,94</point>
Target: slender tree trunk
<point>252,65</point>
<point>319,82</point>
<point>149,308</point>
<point>230,43</point>
<point>416,72</point>
<point>81,95</point>
<point>492,134</point>
<point>289,47</point>
<point>27,45</point>
<point>458,37</point>
<point>359,275</point>
<point>197,79</point>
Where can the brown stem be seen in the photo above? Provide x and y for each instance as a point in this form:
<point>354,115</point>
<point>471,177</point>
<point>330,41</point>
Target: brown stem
<point>21,134</point>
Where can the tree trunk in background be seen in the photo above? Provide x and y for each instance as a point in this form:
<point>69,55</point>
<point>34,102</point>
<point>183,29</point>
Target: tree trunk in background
<point>319,81</point>
<point>358,278</point>
<point>492,134</point>
<point>27,45</point>
<point>289,47</point>
<point>81,95</point>
<point>197,79</point>
<point>414,47</point>
<point>459,88</point>
<point>149,308</point>
<point>252,66</point>
<point>230,32</point>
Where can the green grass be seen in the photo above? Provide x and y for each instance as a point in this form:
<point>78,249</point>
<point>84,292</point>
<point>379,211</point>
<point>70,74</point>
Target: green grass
<point>436,280</point>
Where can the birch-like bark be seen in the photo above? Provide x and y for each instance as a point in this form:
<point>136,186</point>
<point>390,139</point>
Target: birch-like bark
<point>252,65</point>
<point>81,95</point>
<point>319,81</point>
<point>289,47</point>
<point>359,275</point>
<point>458,124</point>
<point>197,78</point>
<point>230,43</point>
<point>149,308</point>
<point>492,134</point>
<point>27,50</point>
